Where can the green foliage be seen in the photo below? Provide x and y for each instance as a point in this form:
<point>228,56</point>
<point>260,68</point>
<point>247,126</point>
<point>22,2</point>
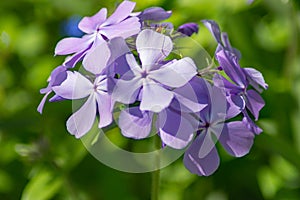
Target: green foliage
<point>39,160</point>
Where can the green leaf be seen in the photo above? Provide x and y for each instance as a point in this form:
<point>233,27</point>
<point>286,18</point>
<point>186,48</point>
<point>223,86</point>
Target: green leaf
<point>44,185</point>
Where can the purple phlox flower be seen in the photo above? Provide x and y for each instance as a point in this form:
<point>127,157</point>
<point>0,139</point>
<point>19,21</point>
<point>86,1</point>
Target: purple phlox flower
<point>201,156</point>
<point>77,86</point>
<point>188,28</point>
<point>238,89</point>
<point>153,14</point>
<point>58,75</point>
<point>151,82</point>
<point>228,58</point>
<point>98,30</point>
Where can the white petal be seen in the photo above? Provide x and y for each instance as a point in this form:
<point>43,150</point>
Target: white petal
<point>152,47</point>
<point>76,86</point>
<point>96,59</point>
<point>176,74</point>
<point>104,109</point>
<point>83,119</point>
<point>126,91</point>
<point>155,98</point>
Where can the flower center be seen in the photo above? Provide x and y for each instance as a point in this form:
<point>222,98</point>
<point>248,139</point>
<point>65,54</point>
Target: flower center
<point>144,74</point>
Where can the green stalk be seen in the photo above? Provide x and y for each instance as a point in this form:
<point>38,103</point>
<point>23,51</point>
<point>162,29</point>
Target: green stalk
<point>156,174</point>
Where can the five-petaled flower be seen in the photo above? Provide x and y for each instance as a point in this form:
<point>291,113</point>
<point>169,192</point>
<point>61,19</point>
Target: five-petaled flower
<point>99,29</point>
<point>152,80</point>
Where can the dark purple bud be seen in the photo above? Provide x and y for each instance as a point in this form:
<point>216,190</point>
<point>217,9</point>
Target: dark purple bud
<point>154,14</point>
<point>188,29</point>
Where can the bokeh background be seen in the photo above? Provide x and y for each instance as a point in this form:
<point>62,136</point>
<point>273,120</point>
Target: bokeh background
<point>39,160</point>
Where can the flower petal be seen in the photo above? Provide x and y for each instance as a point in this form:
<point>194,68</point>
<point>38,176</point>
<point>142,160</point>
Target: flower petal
<point>189,104</point>
<point>236,104</point>
<point>255,78</point>
<point>72,45</point>
<point>214,28</point>
<point>152,47</point>
<point>76,86</point>
<point>118,50</point>
<point>135,123</point>
<point>174,129</point>
<point>176,74</point>
<point>83,119</point>
<point>155,98</point>
<point>124,29</point>
<point>204,166</point>
<point>89,24</point>
<point>218,103</point>
<point>250,123</point>
<point>254,103</point>
<point>226,44</point>
<point>104,103</point>
<point>193,95</point>
<point>121,13</point>
<point>42,103</point>
<point>135,68</point>
<point>96,59</point>
<point>236,138</point>
<point>126,91</point>
<point>154,14</point>
<point>230,65</point>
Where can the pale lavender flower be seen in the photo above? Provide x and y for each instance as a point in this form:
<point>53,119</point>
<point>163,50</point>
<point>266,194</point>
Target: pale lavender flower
<point>98,29</point>
<point>151,80</point>
<point>239,87</point>
<point>188,29</point>
<point>201,156</point>
<point>76,86</point>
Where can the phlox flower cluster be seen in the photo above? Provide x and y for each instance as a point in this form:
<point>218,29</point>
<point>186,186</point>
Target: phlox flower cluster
<point>127,59</point>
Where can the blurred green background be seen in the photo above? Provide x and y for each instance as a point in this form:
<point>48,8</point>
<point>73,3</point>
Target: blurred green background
<point>40,160</point>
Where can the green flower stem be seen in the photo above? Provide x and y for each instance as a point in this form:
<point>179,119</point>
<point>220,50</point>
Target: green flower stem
<point>156,173</point>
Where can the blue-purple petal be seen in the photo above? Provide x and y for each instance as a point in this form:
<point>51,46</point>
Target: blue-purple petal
<point>254,103</point>
<point>154,14</point>
<point>135,123</point>
<point>203,166</point>
<point>175,129</point>
<point>236,138</point>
